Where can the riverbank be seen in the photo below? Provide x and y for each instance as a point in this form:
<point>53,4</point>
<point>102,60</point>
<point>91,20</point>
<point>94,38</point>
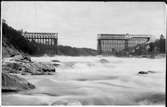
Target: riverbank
<point>15,66</point>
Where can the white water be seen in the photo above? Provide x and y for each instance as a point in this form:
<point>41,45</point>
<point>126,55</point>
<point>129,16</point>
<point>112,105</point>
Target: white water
<point>87,81</point>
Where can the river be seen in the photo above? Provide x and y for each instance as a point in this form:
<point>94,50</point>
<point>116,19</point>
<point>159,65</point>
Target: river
<point>95,81</point>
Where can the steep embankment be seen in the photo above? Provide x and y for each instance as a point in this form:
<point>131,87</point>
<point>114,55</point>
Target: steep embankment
<point>8,49</point>
<point>14,43</point>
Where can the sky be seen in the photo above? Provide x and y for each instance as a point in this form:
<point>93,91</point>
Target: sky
<point>78,23</point>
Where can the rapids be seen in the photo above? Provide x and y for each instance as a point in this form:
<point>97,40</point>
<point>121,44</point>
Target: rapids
<point>95,81</point>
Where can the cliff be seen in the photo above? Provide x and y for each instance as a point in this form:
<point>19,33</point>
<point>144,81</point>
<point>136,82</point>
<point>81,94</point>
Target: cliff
<point>14,43</point>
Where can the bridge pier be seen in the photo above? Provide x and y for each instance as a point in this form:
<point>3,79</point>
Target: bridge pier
<point>46,42</point>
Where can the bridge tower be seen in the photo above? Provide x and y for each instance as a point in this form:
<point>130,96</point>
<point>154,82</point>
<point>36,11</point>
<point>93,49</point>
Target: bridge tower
<point>45,42</point>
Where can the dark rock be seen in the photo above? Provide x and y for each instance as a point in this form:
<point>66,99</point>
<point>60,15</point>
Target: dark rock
<point>24,68</point>
<point>144,56</point>
<point>14,67</point>
<point>55,61</point>
<point>22,58</point>
<point>56,64</point>
<point>146,72</point>
<point>42,73</point>
<point>45,67</point>
<point>12,55</point>
<point>48,70</point>
<point>25,73</point>
<point>104,61</point>
<point>142,72</point>
<point>27,58</point>
<point>37,73</point>
<point>14,83</point>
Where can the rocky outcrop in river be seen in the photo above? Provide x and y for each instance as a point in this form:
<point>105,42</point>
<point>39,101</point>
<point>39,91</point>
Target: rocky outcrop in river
<point>14,83</point>
<point>23,65</point>
<point>17,65</point>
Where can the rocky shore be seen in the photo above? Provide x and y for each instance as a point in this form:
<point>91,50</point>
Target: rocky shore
<point>17,65</point>
<point>13,83</point>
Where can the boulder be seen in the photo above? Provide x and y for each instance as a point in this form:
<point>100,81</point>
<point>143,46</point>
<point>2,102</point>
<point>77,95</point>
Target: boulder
<point>14,83</point>
<point>146,72</point>
<point>41,73</point>
<point>43,67</point>
<point>22,58</point>
<point>34,68</point>
<point>11,67</point>
<point>55,61</point>
<point>142,72</point>
<point>104,61</point>
<point>14,67</point>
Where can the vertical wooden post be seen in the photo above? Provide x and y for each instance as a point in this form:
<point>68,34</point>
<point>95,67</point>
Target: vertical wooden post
<point>55,45</point>
<point>47,42</point>
<point>126,43</point>
<point>39,37</point>
<point>43,39</point>
<point>99,46</point>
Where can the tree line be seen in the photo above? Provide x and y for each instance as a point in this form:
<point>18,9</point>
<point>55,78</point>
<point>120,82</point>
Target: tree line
<point>151,48</point>
<point>16,39</point>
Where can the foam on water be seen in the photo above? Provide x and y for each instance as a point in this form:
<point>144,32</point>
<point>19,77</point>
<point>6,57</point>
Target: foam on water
<point>91,81</point>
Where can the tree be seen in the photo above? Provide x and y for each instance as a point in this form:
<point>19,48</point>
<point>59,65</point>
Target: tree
<point>151,45</point>
<point>162,44</point>
<point>16,39</point>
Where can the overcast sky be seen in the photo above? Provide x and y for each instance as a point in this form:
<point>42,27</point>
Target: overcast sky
<point>78,23</point>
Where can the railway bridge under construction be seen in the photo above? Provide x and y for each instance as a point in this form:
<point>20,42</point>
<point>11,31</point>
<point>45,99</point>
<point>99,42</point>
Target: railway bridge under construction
<point>45,42</point>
